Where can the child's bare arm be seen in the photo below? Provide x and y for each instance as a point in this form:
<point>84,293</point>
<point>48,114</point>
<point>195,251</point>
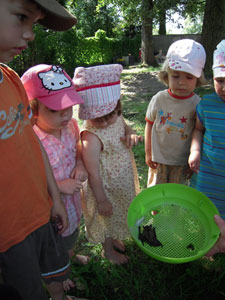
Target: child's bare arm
<point>195,151</point>
<point>58,210</point>
<point>79,172</point>
<point>131,138</point>
<point>69,186</point>
<point>148,146</point>
<point>91,149</point>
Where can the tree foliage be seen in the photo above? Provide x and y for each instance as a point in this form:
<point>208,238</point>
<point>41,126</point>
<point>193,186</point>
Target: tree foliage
<point>118,23</point>
<point>213,30</point>
<point>92,17</point>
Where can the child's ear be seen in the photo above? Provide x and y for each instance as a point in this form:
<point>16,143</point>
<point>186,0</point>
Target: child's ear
<point>166,80</point>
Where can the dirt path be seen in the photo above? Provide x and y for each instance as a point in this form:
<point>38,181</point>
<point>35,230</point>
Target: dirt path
<point>140,83</point>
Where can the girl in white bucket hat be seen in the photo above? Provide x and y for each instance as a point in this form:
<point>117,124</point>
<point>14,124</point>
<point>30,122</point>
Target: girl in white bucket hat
<point>170,117</point>
<point>112,174</point>
<point>207,148</point>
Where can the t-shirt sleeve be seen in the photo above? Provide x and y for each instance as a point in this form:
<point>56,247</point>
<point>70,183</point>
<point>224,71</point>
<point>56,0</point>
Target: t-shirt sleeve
<point>199,112</point>
<point>151,111</point>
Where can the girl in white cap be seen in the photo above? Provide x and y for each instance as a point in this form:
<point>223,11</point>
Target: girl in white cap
<point>112,174</point>
<point>207,158</point>
<point>170,116</point>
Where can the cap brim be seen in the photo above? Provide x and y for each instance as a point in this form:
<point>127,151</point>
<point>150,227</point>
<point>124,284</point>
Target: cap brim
<point>62,100</point>
<point>93,112</point>
<point>219,72</point>
<point>56,16</point>
<point>184,67</point>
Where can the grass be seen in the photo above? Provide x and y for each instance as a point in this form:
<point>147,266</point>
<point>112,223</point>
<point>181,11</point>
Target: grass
<point>144,278</point>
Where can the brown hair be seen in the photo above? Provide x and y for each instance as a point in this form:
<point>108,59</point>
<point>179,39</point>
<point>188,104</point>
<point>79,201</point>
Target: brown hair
<point>34,104</point>
<point>163,75</point>
<point>118,110</point>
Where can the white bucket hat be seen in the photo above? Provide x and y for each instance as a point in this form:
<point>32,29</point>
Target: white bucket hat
<point>219,60</point>
<point>99,86</point>
<point>188,56</point>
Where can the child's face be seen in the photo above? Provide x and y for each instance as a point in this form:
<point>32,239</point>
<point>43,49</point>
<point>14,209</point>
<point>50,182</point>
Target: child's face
<point>104,123</point>
<point>52,121</point>
<point>181,83</point>
<point>16,20</point>
<point>219,85</point>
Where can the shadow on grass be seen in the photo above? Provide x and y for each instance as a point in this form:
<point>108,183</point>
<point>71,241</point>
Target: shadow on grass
<point>146,278</point>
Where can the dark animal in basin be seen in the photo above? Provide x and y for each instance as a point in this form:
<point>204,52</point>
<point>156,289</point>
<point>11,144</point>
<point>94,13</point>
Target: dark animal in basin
<point>148,235</point>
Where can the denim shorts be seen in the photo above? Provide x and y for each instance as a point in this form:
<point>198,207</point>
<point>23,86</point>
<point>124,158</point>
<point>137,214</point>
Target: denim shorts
<point>42,255</point>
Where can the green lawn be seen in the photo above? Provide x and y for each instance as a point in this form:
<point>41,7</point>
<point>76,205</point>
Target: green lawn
<point>144,278</point>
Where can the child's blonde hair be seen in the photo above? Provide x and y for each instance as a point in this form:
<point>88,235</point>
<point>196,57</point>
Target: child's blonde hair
<point>163,75</point>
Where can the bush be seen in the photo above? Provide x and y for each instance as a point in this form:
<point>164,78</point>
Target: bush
<point>69,50</point>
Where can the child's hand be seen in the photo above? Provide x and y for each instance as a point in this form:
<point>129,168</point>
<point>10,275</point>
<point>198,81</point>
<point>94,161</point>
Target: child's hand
<point>69,186</point>
<point>149,162</point>
<point>79,173</point>
<point>194,161</point>
<point>219,246</point>
<point>131,140</point>
<point>59,216</point>
<point>105,208</point>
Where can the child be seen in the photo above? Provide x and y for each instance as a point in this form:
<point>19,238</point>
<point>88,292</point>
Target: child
<point>207,158</point>
<point>112,181</point>
<point>170,116</point>
<point>52,95</point>
<point>28,247</point>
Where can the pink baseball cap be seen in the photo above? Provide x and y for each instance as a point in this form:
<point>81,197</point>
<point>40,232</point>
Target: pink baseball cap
<point>51,85</point>
<point>187,55</point>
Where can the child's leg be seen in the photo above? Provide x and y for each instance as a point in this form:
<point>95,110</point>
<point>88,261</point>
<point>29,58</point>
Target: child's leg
<point>119,245</point>
<point>111,254</point>
<point>158,175</point>
<point>56,290</point>
<point>69,242</point>
<point>55,265</point>
<point>178,174</point>
<point>21,264</point>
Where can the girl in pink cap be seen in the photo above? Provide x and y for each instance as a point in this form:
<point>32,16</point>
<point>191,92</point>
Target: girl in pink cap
<point>52,95</point>
<point>112,175</point>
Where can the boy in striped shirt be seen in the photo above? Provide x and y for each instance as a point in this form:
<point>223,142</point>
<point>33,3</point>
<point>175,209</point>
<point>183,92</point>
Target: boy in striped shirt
<point>207,154</point>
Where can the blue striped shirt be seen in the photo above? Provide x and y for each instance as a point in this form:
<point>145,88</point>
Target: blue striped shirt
<point>211,177</point>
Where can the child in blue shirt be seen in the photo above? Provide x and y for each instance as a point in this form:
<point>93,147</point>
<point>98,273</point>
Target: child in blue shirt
<point>207,157</point>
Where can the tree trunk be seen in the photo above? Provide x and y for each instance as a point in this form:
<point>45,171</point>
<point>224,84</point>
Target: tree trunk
<point>162,22</point>
<point>147,51</point>
<point>213,29</point>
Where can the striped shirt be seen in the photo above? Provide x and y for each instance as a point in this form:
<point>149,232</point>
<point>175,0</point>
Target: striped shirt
<point>211,177</point>
<point>62,157</point>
